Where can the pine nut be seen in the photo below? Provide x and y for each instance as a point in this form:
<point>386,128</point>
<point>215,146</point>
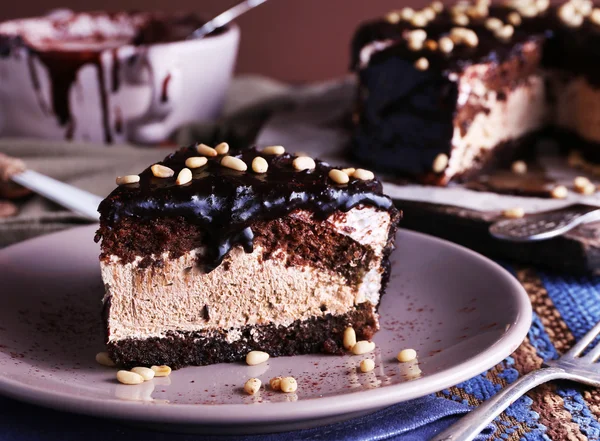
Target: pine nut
<point>431,45</point>
<point>161,371</point>
<point>407,13</point>
<point>418,20</point>
<point>514,19</point>
<point>184,176</point>
<point>288,384</point>
<point>393,17</point>
<point>338,176</point>
<point>367,365</point>
<point>195,162</point>
<point>415,45</point>
<point>588,189</point>
<point>493,23</point>
<point>252,386</point>
<point>146,373</point>
<point>275,383</point>
<point>505,32</point>
<point>234,163</point>
<point>222,148</point>
<point>349,338</point>
<point>104,359</point>
<point>437,6</point>
<point>349,170</point>
<point>160,171</point>
<point>128,179</point>
<point>580,182</point>
<point>205,150</point>
<point>429,13</point>
<point>406,355</point>
<point>256,357</point>
<point>363,347</point>
<point>519,167</point>
<point>127,377</point>
<point>259,165</point>
<point>559,192</point>
<point>460,20</point>
<point>514,213</point>
<point>363,175</point>
<point>446,45</point>
<point>440,163</point>
<point>274,150</point>
<point>304,163</point>
<point>595,16</point>
<point>422,63</point>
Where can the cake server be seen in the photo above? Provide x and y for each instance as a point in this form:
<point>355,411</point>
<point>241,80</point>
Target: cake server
<point>225,17</point>
<point>546,225</point>
<point>79,201</point>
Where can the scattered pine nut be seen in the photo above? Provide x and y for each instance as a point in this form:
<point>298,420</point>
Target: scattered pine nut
<point>275,383</point>
<point>127,377</point>
<point>195,162</point>
<point>363,347</point>
<point>407,13</point>
<point>304,163</point>
<point>338,176</point>
<point>514,213</point>
<point>493,23</point>
<point>429,13</point>
<point>505,32</point>
<point>160,171</point>
<point>274,150</point>
<point>460,19</point>
<point>519,167</point>
<point>559,192</point>
<point>349,338</point>
<point>349,170</point>
<point>440,163</point>
<point>431,45</point>
<point>580,182</point>
<point>104,359</point>
<point>588,189</point>
<point>184,176</point>
<point>363,175</point>
<point>406,355</point>
<point>252,386</point>
<point>234,163</point>
<point>146,373</point>
<point>256,357</point>
<point>422,63</point>
<point>259,165</point>
<point>446,45</point>
<point>595,16</point>
<point>393,17</point>
<point>437,6</point>
<point>205,150</point>
<point>288,384</point>
<point>128,179</point>
<point>514,19</point>
<point>222,148</point>
<point>367,365</point>
<point>418,20</point>
<point>161,371</point>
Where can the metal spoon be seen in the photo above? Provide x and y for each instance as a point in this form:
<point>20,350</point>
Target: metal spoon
<point>546,225</point>
<point>225,17</point>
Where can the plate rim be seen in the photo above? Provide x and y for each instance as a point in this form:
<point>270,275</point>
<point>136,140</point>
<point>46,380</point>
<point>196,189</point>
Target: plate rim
<point>279,412</point>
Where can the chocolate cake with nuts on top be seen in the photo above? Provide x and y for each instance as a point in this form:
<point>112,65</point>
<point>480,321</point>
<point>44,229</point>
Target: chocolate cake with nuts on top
<point>444,93</point>
<point>207,256</point>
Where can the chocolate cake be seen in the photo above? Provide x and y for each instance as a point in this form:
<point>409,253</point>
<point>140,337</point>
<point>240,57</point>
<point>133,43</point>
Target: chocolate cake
<point>206,257</point>
<point>445,93</point>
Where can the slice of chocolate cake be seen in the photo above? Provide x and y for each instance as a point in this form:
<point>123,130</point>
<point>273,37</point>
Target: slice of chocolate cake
<point>445,93</point>
<point>206,257</point>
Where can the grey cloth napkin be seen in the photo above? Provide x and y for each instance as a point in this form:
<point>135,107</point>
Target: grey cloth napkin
<point>251,101</point>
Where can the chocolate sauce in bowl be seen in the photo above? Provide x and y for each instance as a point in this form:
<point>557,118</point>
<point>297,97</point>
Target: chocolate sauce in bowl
<point>65,53</point>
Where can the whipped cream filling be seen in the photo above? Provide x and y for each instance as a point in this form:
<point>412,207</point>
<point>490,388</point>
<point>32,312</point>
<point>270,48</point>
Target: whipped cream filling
<point>244,290</point>
<point>522,111</point>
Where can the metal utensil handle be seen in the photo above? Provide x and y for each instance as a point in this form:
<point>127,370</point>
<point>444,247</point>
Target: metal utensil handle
<point>225,17</point>
<point>469,426</point>
<point>70,197</point>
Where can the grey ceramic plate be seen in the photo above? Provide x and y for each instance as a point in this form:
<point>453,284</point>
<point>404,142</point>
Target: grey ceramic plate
<point>460,311</point>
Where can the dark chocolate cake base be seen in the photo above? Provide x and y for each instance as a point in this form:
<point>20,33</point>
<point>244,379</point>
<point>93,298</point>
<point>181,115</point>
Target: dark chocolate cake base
<point>179,349</point>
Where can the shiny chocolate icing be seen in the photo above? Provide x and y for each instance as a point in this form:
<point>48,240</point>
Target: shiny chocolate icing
<point>225,203</point>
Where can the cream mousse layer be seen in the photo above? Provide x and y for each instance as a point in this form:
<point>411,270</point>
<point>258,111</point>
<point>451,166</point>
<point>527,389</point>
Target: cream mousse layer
<point>244,290</point>
<point>522,110</point>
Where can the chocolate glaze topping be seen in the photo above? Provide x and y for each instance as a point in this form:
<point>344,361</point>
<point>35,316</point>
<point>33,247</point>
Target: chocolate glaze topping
<point>226,203</point>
